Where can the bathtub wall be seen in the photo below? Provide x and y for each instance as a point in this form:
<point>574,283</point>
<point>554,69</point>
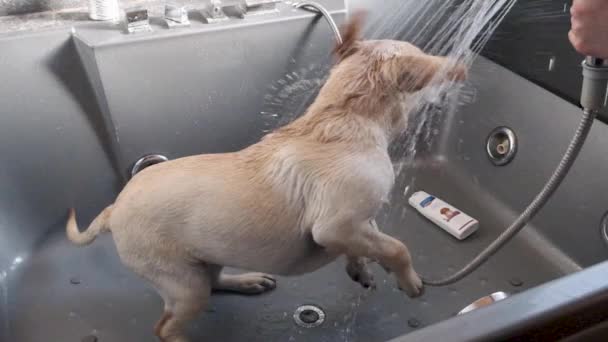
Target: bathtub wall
<point>69,135</point>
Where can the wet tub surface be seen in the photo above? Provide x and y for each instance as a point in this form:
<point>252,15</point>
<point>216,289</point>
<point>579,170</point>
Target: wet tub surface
<point>68,293</point>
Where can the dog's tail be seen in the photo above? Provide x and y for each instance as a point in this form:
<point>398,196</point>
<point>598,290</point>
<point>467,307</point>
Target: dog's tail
<point>99,225</point>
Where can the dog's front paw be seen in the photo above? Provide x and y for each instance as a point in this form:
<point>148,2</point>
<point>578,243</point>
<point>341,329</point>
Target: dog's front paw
<point>360,273</point>
<point>411,284</point>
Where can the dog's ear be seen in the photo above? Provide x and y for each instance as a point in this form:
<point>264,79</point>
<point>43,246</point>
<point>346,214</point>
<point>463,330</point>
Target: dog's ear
<point>413,73</point>
<point>351,34</point>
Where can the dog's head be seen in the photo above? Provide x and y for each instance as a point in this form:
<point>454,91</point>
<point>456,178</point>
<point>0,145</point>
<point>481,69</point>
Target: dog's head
<point>375,77</point>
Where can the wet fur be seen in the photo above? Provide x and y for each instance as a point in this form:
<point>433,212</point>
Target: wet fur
<point>304,195</point>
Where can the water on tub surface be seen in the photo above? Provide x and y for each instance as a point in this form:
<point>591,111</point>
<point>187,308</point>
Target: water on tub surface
<point>64,293</point>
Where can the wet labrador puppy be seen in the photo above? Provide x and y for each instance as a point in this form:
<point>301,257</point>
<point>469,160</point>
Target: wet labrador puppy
<point>295,201</point>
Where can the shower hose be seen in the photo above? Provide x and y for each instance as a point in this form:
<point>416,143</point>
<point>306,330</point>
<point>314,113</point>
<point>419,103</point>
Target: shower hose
<point>533,208</point>
<point>593,99</point>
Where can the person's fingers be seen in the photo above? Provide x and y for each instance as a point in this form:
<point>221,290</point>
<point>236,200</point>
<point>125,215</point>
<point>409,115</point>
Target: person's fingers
<point>589,27</point>
<point>578,43</point>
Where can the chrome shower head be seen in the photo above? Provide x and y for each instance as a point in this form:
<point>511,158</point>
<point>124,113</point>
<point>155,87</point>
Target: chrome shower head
<point>595,84</point>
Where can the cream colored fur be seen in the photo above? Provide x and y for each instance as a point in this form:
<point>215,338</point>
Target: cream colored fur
<point>291,203</point>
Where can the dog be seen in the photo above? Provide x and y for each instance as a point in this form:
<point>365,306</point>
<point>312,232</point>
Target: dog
<point>304,195</point>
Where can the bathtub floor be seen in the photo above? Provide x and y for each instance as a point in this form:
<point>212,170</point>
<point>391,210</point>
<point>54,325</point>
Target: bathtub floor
<point>65,293</point>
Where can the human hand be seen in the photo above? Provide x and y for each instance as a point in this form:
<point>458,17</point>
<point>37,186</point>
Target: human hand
<point>589,32</point>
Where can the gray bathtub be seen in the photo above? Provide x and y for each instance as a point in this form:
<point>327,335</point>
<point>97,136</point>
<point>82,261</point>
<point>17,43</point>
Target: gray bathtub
<point>79,106</point>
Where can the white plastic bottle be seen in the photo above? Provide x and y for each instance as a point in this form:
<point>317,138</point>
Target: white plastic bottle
<point>450,219</point>
<point>103,9</point>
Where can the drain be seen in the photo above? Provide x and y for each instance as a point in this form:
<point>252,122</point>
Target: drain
<point>501,146</point>
<point>146,161</point>
<point>309,316</point>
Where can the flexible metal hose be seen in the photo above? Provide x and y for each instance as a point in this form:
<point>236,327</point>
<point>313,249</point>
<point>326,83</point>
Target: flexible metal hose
<point>535,206</point>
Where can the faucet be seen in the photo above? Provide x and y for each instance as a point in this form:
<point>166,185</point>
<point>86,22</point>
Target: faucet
<point>137,20</point>
<point>219,10</point>
<point>176,16</point>
<point>214,12</point>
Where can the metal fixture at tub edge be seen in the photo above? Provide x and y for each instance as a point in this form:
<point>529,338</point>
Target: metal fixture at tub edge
<point>318,8</point>
<point>137,20</point>
<point>309,316</point>
<point>176,16</point>
<point>484,301</point>
<point>147,160</point>
<point>257,7</point>
<point>213,12</point>
<point>220,10</point>
<point>501,146</point>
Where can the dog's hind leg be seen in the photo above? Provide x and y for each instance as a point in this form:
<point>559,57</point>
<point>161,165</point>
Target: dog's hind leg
<point>185,293</point>
<point>358,271</point>
<point>248,283</point>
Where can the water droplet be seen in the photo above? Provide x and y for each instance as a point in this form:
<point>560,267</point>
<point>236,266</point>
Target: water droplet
<point>74,281</point>
<point>413,323</point>
<point>552,62</point>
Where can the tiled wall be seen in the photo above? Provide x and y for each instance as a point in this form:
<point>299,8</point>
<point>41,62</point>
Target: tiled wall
<point>10,7</point>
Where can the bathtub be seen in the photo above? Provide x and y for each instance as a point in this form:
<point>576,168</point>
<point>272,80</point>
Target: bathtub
<point>81,103</point>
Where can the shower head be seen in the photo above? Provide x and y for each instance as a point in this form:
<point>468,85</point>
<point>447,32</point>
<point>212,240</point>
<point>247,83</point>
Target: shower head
<point>594,93</point>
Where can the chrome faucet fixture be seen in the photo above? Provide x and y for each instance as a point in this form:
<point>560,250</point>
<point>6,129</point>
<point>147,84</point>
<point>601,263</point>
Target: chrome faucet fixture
<point>176,16</point>
<point>137,20</point>
<point>214,12</point>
